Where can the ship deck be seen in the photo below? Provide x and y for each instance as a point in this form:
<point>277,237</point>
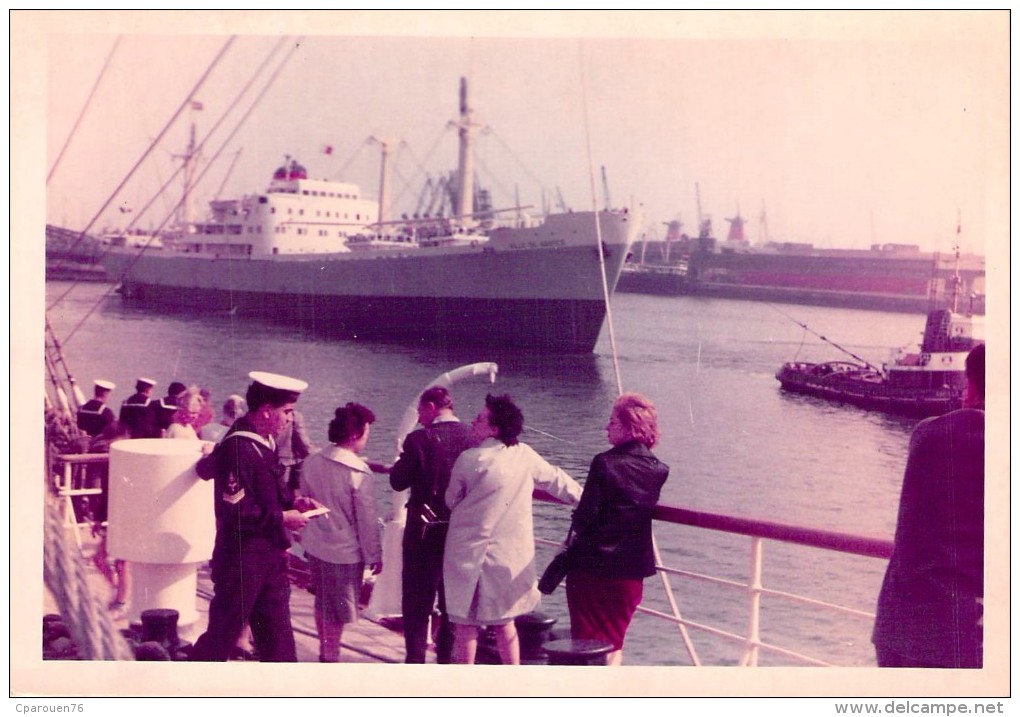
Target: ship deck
<point>363,642</point>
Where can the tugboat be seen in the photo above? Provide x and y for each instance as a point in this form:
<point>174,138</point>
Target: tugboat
<point>927,383</point>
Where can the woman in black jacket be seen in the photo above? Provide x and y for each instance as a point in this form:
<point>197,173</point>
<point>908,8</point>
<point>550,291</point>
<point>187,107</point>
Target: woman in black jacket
<point>611,549</point>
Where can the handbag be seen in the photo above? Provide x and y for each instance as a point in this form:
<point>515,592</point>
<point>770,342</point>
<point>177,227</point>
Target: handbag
<point>554,573</point>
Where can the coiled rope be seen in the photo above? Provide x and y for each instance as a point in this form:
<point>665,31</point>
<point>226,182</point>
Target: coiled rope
<point>92,630</point>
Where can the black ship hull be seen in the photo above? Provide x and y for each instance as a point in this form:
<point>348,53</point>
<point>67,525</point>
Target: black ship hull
<point>560,325</point>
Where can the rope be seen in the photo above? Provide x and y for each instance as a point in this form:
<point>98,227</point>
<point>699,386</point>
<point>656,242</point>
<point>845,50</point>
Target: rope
<point>81,115</point>
<point>198,179</point>
<point>598,226</point>
<point>92,630</point>
<point>670,597</point>
<point>152,145</point>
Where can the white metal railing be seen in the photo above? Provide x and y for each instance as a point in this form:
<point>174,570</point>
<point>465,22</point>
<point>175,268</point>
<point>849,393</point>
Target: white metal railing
<point>758,532</point>
<point>68,484</point>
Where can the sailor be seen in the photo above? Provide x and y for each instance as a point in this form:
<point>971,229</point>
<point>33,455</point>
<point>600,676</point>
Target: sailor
<point>164,409</point>
<point>95,415</point>
<point>135,412</point>
<point>255,515</point>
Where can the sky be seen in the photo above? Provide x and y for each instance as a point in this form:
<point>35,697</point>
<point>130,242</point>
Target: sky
<point>840,129</point>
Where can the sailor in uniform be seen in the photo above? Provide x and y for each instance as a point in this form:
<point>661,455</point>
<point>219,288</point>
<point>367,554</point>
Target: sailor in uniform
<point>136,413</point>
<point>255,515</point>
<point>164,409</point>
<point>95,415</point>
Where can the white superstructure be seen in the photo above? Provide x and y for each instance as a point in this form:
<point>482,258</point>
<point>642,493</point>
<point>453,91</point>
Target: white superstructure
<point>296,215</point>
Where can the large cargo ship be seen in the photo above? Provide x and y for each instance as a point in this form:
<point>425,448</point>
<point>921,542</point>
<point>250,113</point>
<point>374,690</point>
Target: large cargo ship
<point>318,254</point>
<point>895,277</point>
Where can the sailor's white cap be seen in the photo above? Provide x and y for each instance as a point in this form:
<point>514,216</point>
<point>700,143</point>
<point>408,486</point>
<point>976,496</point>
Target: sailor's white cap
<point>147,381</point>
<point>277,381</point>
<point>103,383</point>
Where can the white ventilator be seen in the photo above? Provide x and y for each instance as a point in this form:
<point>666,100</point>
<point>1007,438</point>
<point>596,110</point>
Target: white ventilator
<point>161,522</point>
<point>385,600</point>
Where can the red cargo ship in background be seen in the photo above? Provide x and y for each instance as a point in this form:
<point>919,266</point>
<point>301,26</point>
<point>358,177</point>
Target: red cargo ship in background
<point>894,277</point>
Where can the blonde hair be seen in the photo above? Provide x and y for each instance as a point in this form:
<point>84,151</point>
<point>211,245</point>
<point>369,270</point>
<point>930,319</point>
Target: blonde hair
<point>639,417</point>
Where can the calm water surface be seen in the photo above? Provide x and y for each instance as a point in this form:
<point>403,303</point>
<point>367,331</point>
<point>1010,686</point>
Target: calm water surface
<point>735,442</point>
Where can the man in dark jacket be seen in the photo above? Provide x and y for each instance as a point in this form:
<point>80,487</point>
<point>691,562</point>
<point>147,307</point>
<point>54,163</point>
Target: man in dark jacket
<point>930,607</point>
<point>426,459</point>
<point>255,514</point>
<point>164,409</point>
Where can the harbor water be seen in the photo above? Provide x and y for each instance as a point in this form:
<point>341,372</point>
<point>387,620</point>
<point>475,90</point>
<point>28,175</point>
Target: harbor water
<point>735,442</point>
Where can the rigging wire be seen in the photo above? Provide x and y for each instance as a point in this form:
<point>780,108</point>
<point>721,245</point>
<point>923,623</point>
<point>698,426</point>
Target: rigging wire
<point>598,225</point>
<point>826,340</point>
<point>161,193</point>
<point>670,597</point>
<point>240,123</point>
<point>420,168</point>
<point>520,162</point>
<point>81,115</point>
<point>184,105</point>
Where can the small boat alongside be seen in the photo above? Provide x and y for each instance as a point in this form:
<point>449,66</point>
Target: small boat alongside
<point>925,383</point>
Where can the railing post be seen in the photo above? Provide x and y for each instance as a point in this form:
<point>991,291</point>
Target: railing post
<point>750,658</point>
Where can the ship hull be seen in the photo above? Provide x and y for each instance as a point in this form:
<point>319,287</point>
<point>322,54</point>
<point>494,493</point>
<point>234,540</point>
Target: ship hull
<point>535,289</point>
<point>844,278</point>
<point>548,324</point>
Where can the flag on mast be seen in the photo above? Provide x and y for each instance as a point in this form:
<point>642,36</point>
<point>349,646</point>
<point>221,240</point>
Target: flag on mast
<point>196,105</point>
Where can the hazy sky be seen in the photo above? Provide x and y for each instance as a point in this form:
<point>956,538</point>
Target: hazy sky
<point>847,129</point>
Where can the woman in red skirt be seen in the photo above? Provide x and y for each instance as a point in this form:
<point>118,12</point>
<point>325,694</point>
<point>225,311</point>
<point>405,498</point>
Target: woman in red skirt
<point>611,549</point>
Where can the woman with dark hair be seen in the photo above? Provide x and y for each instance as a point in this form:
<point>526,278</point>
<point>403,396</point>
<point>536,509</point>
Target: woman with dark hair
<point>611,551</point>
<point>340,543</point>
<point>488,564</point>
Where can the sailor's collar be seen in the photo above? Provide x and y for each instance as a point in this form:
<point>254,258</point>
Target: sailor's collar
<point>346,457</point>
<point>445,419</point>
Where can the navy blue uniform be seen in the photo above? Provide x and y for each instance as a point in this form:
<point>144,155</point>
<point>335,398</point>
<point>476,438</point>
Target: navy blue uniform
<point>162,414</point>
<point>424,466</point>
<point>94,416</point>
<point>249,562</point>
<point>136,413</point>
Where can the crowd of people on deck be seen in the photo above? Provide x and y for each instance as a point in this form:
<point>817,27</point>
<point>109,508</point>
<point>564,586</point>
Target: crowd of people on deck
<point>468,548</point>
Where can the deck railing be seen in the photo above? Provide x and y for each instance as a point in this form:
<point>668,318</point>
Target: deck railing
<point>758,532</point>
<point>68,485</point>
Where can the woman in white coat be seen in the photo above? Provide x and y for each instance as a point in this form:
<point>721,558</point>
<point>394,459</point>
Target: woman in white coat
<point>488,564</point>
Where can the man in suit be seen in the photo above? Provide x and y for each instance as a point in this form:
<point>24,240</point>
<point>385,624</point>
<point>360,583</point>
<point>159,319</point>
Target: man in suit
<point>426,459</point>
<point>930,606</point>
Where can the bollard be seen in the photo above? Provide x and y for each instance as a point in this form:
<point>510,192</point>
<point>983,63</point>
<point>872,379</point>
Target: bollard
<point>160,625</point>
<point>161,522</point>
<point>533,630</point>
<point>577,652</point>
